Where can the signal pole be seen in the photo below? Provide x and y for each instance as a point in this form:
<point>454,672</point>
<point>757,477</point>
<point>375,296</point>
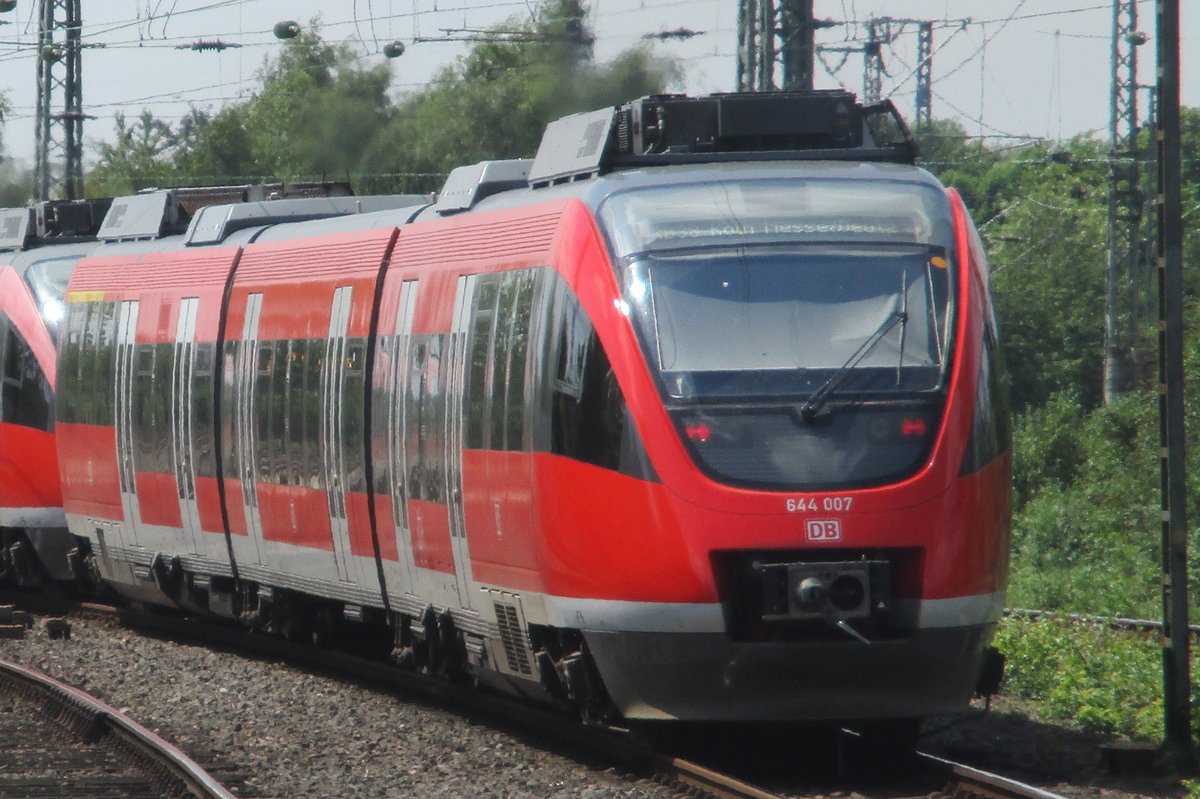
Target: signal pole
<point>1177,743</point>
<point>60,76</point>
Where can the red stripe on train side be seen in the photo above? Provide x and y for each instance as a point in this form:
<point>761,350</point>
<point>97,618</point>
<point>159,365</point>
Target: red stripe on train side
<point>503,531</point>
<point>158,499</point>
<point>358,523</point>
<point>28,468</point>
<point>208,504</point>
<point>611,536</point>
<point>237,511</point>
<point>295,515</point>
<point>87,456</point>
<point>429,526</point>
<point>384,508</point>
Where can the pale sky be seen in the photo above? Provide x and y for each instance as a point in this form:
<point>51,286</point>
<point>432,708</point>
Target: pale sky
<point>1006,68</point>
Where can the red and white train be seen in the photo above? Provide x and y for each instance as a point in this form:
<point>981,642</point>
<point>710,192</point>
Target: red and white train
<point>697,415</point>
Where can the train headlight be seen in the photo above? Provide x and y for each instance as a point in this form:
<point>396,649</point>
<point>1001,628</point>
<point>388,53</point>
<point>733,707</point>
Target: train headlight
<point>53,311</point>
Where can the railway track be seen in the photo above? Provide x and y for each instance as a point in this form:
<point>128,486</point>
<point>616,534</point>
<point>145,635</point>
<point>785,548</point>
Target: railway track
<point>627,751</point>
<point>104,753</point>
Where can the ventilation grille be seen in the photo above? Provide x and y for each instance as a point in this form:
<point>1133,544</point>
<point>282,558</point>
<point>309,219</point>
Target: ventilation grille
<point>513,638</point>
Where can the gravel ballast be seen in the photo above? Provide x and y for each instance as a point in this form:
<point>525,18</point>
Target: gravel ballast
<point>290,733</point>
<point>276,731</point>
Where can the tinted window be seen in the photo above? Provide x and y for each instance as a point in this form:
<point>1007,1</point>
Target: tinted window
<point>483,321</point>
<point>25,397</point>
<point>353,422</point>
<point>588,411</point>
<point>498,352</point>
<point>426,419</point>
<point>203,429</point>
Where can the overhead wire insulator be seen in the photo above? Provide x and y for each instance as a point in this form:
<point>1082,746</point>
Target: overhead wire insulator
<point>206,45</point>
<point>287,29</point>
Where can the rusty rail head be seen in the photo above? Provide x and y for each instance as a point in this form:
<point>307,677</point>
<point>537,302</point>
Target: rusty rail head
<point>101,716</point>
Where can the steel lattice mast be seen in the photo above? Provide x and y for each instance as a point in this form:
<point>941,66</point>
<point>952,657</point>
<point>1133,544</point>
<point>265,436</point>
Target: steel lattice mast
<point>59,133</point>
<point>775,45</point>
<point>1125,202</point>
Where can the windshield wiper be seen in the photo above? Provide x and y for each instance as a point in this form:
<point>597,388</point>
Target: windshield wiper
<point>819,397</point>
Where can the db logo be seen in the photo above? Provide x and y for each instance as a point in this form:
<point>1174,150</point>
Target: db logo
<point>824,529</point>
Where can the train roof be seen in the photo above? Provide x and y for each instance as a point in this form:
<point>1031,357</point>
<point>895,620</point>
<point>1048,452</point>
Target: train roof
<point>678,139</point>
<point>650,141</point>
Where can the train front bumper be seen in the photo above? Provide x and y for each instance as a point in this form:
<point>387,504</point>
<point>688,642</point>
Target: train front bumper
<point>709,677</point>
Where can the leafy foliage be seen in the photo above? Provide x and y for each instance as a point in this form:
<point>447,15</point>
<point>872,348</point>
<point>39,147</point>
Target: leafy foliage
<point>15,184</point>
<point>321,114</point>
<point>1104,680</point>
<point>496,101</point>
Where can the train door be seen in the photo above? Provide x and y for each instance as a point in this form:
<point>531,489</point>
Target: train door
<point>397,427</point>
<point>246,373</point>
<point>455,391</point>
<point>126,372</point>
<point>333,451</point>
<point>181,422</point>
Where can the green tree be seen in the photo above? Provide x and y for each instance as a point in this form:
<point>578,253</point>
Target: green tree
<point>316,112</point>
<point>495,102</point>
<point>138,159</point>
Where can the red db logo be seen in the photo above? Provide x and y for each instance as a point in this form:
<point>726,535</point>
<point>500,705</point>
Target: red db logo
<point>824,530</point>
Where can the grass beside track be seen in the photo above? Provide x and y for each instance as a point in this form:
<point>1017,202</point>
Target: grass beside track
<point>1102,679</point>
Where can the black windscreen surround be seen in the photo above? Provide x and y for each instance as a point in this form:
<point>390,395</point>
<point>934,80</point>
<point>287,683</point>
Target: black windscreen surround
<point>799,331</point>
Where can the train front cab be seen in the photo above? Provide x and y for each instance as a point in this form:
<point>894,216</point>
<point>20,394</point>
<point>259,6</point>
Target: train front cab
<point>36,544</point>
<point>824,530</point>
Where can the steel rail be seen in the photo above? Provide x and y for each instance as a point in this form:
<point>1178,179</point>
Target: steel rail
<point>977,782</point>
<point>100,718</point>
<point>1114,622</point>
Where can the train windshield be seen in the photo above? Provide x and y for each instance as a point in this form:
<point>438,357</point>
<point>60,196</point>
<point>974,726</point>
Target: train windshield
<point>789,322</point>
<point>48,281</point>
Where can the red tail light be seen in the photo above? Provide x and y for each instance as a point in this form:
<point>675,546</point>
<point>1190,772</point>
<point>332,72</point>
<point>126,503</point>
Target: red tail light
<point>698,432</point>
<point>913,428</point>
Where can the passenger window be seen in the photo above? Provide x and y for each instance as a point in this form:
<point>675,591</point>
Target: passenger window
<point>263,408</point>
<point>514,395</point>
<point>204,432</point>
<point>25,396</point>
<point>426,428</point>
<point>279,413</point>
<point>143,405</point>
<point>69,364</point>
<point>297,400</point>
<point>353,388</point>
<point>479,348</point>
<point>106,361</point>
<point>588,413</point>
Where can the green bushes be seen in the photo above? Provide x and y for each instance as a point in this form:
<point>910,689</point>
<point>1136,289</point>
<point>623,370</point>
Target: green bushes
<point>1104,680</point>
<point>1086,508</point>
